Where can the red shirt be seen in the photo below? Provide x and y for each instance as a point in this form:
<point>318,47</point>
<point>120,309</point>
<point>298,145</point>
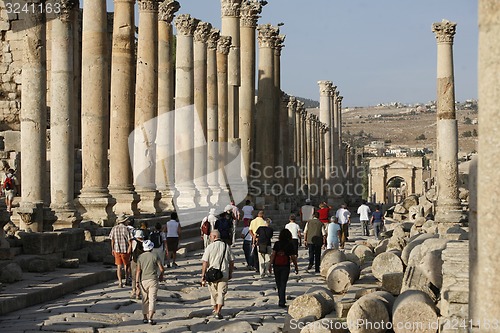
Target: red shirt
<point>323,214</point>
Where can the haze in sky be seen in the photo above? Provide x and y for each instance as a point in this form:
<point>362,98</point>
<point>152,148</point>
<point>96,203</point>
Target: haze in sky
<point>374,51</point>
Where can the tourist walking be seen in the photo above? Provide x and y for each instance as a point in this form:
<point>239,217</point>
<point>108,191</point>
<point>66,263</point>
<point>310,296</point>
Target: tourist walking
<point>207,225</point>
<point>137,250</point>
<point>333,234</point>
<point>173,237</point>
<point>377,221</point>
<point>247,213</point>
<point>148,274</point>
<point>315,238</point>
<point>254,225</point>
<point>235,215</point>
<point>9,187</point>
<point>344,219</point>
<point>306,212</point>
<point>217,255</point>
<point>364,217</point>
<point>294,229</point>
<point>247,247</point>
<point>283,253</point>
<point>159,240</point>
<point>225,225</point>
<point>264,234</point>
<point>121,248</point>
<point>324,213</point>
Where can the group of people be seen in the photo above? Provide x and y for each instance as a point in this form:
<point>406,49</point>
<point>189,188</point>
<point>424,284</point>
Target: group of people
<point>140,254</point>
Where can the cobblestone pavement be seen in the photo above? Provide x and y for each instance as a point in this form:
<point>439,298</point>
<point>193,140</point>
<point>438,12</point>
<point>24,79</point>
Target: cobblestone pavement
<point>183,305</point>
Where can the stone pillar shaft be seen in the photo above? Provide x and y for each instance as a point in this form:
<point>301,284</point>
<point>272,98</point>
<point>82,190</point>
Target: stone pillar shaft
<point>448,207</point>
<point>223,48</point>
<point>94,197</point>
<point>122,107</point>
<point>33,121</point>
<point>292,143</point>
<point>325,116</point>
<point>212,117</point>
<point>484,296</point>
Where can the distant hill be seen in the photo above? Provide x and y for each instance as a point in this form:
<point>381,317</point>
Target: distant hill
<point>309,103</point>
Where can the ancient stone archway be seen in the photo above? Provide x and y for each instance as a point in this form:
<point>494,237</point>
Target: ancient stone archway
<point>383,173</point>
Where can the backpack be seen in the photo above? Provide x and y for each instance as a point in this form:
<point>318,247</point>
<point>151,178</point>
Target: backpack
<point>7,184</point>
<point>224,227</point>
<point>281,259</point>
<point>155,237</point>
<point>205,227</point>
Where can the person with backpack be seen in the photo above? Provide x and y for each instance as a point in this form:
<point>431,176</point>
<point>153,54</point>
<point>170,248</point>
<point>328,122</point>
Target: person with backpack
<point>283,253</point>
<point>264,235</point>
<point>247,247</point>
<point>207,225</point>
<point>173,236</point>
<point>377,221</point>
<point>159,240</point>
<point>224,224</point>
<point>137,250</point>
<point>9,188</point>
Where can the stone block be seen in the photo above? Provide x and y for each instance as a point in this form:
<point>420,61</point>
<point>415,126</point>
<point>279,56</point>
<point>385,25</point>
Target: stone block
<point>181,253</point>
<point>70,239</point>
<point>82,255</point>
<point>39,265</point>
<point>69,263</point>
<point>10,273</point>
<point>39,243</point>
<point>386,263</point>
<point>6,254</point>
<point>454,309</point>
<point>456,295</point>
<point>98,250</point>
<point>392,282</point>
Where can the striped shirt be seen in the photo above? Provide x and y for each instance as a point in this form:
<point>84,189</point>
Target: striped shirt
<point>121,236</point>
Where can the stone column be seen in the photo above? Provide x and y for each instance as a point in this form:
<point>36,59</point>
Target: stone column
<point>223,47</point>
<point>281,112</point>
<point>310,152</point>
<point>325,116</point>
<point>146,108</point>
<point>292,126</point>
<point>448,209</point>
<point>33,120</point>
<point>122,108</point>
<point>484,300</point>
<point>94,200</point>
<point>184,117</point>
<point>339,125</point>
<point>230,12</point>
<point>201,35</point>
<point>266,126</point>
<point>62,119</point>
<point>248,22</point>
<point>303,143</point>
<point>335,129</point>
<point>212,118</point>
<point>165,136</point>
<point>298,131</point>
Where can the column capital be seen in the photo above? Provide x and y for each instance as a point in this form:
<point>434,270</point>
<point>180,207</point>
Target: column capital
<point>213,39</point>
<point>279,44</point>
<point>167,10</point>
<point>292,102</point>
<point>300,105</point>
<point>340,98</point>
<point>224,44</point>
<point>325,87</point>
<point>185,24</point>
<point>202,32</point>
<point>444,31</point>
<point>148,5</point>
<point>333,89</point>
<point>267,35</point>
<point>249,13</point>
<point>67,7</point>
<point>230,8</point>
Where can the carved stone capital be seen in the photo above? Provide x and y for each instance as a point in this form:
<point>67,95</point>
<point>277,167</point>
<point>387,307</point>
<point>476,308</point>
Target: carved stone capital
<point>148,5</point>
<point>224,44</point>
<point>213,39</point>
<point>230,8</point>
<point>249,13</point>
<point>325,87</point>
<point>278,44</point>
<point>167,10</point>
<point>202,32</point>
<point>267,35</point>
<point>292,102</point>
<point>67,7</point>
<point>340,98</point>
<point>333,89</point>
<point>186,25</point>
<point>444,31</point>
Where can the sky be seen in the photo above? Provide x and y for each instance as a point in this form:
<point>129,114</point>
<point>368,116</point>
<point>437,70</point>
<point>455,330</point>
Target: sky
<point>374,51</point>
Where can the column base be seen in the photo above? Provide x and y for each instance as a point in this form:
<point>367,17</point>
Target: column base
<point>98,209</point>
<point>186,197</point>
<point>203,195</point>
<point>166,202</point>
<point>451,215</point>
<point>125,201</point>
<point>63,218</point>
<point>30,216</point>
<point>149,202</point>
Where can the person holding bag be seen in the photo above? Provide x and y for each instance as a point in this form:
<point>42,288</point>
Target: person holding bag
<point>217,270</point>
<point>283,253</point>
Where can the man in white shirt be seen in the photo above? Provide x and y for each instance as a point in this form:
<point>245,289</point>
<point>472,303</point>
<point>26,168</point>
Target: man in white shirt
<point>306,212</point>
<point>247,213</point>
<point>364,217</point>
<point>344,218</point>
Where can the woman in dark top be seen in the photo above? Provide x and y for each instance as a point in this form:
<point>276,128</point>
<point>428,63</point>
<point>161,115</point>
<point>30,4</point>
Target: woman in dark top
<point>282,253</point>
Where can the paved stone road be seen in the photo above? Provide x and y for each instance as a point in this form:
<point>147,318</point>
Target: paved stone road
<point>183,305</point>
